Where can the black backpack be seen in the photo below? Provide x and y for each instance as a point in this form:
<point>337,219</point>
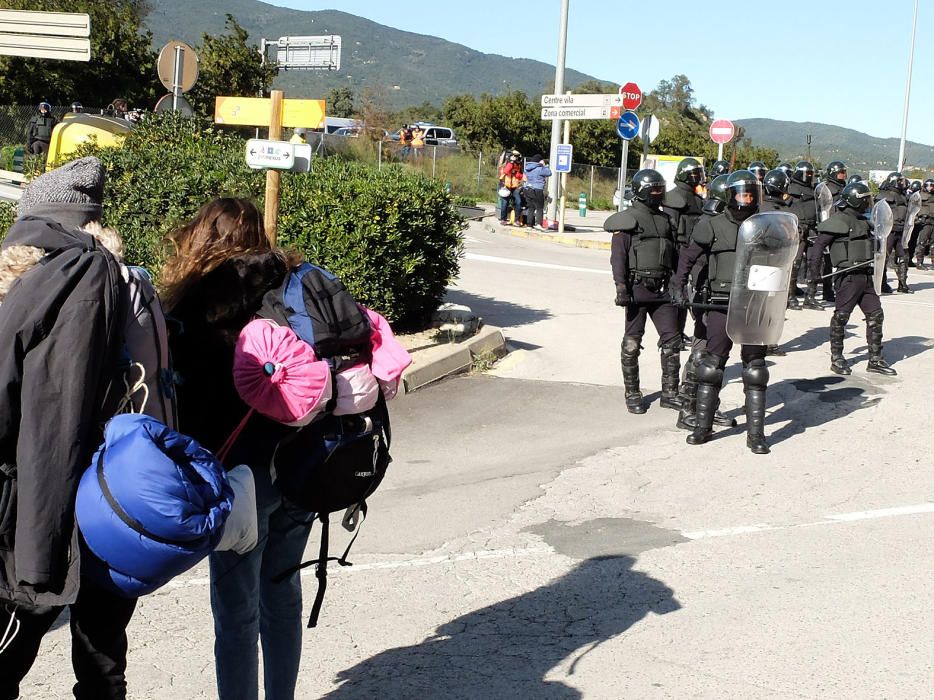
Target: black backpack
<point>334,463</point>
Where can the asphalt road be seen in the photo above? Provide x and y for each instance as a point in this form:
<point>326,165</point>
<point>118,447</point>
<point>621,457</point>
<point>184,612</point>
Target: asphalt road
<point>535,540</point>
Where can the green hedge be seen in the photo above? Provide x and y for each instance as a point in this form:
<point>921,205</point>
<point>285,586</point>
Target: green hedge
<point>393,236</point>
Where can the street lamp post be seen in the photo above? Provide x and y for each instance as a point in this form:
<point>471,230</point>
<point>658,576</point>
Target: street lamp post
<point>911,58</point>
<point>556,124</point>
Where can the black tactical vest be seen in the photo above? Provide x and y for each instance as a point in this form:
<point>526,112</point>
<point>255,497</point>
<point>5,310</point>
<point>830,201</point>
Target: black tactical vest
<point>854,247</point>
<point>44,126</point>
<point>722,255</point>
<point>652,251</point>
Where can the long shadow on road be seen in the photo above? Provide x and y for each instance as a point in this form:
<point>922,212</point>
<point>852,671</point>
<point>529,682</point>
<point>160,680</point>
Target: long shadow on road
<point>505,650</point>
<point>497,312</point>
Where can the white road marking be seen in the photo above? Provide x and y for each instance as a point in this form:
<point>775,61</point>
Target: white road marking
<point>883,513</point>
<point>727,531</point>
<point>528,263</point>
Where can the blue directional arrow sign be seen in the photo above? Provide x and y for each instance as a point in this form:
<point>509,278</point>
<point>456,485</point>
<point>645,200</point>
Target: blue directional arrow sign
<point>565,154</point>
<point>628,126</point>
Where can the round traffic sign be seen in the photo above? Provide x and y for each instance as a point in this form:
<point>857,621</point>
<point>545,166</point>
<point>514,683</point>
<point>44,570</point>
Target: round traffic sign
<point>628,126</point>
<point>188,65</point>
<point>632,96</point>
<point>722,131</point>
<point>165,105</point>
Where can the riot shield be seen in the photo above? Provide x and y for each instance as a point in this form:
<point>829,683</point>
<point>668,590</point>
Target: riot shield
<point>882,222</point>
<point>914,206</point>
<point>824,201</point>
<point>765,251</point>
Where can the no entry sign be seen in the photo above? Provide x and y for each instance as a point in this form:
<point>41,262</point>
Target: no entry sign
<point>632,96</point>
<point>722,131</point>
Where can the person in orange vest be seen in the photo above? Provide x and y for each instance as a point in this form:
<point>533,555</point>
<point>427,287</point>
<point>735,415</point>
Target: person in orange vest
<point>511,180</point>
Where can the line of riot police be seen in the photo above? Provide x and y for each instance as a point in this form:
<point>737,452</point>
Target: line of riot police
<point>730,252</point>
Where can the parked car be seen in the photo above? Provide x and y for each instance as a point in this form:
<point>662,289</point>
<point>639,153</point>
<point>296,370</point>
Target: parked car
<point>356,131</point>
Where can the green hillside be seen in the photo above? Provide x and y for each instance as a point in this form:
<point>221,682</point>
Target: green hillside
<point>858,150</point>
<point>410,68</point>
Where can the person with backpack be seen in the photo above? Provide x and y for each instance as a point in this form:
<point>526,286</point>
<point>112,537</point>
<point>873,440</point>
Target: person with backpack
<point>212,287</point>
<point>511,180</point>
<point>62,319</point>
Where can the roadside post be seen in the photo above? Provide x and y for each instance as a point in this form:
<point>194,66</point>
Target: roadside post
<point>627,127</point>
<point>582,204</point>
<point>721,132</point>
<point>272,154</point>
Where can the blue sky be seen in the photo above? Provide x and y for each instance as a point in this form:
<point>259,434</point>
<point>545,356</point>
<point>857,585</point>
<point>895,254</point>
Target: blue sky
<point>842,62</point>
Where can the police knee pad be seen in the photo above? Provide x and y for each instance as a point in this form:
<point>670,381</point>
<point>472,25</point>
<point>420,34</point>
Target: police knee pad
<point>671,347</point>
<point>710,369</point>
<point>875,318</point>
<point>840,318</point>
<point>755,373</point>
<point>631,345</point>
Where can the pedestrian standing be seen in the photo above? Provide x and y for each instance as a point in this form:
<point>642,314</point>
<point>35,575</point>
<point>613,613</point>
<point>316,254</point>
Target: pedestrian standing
<point>537,173</point>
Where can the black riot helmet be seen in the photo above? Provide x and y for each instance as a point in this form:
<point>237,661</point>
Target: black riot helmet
<point>915,186</point>
<point>690,172</point>
<point>758,168</point>
<point>858,196</point>
<point>855,177</point>
<point>929,185</point>
<point>716,195</point>
<point>743,193</point>
<point>720,167</point>
<point>836,170</point>
<point>776,182</point>
<point>649,186</point>
<point>787,167</point>
<point>894,181</point>
<point>804,173</point>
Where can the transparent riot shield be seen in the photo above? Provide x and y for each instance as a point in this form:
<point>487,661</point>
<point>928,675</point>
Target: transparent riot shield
<point>882,221</point>
<point>914,206</point>
<point>765,251</point>
<point>824,201</point>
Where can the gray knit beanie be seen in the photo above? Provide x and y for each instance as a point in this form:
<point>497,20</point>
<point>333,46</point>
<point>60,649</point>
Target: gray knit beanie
<point>72,194</point>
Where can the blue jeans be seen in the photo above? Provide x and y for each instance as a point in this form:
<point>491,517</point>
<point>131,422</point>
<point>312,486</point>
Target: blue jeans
<point>514,200</point>
<point>248,606</point>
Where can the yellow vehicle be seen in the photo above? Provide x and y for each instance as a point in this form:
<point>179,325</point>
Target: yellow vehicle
<point>77,129</point>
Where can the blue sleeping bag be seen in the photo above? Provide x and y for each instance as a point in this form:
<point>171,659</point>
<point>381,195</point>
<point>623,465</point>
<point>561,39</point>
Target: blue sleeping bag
<point>152,504</point>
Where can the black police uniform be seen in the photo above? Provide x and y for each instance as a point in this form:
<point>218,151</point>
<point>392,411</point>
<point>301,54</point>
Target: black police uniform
<point>898,202</point>
<point>642,255</point>
<point>925,227</point>
<point>716,237</point>
<point>804,206</point>
<point>685,207</point>
<point>849,238</point>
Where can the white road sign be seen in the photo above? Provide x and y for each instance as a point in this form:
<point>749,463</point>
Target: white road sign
<point>579,112</point>
<point>262,153</point>
<point>55,35</point>
<point>614,100</point>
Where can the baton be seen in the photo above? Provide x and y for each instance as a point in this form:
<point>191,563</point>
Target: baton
<point>708,307</point>
<point>847,269</point>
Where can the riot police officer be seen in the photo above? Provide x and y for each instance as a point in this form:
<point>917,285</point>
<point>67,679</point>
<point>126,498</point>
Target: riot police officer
<point>849,236</point>
<point>913,235</point>
<point>835,177</point>
<point>804,206</point>
<point>684,205</point>
<point>719,167</point>
<point>855,177</point>
<point>758,168</point>
<point>788,168</point>
<point>716,237</point>
<point>893,191</point>
<point>926,222</point>
<point>642,256</point>
<point>687,391</point>
<point>776,198</point>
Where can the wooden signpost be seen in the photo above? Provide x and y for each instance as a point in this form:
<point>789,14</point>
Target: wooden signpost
<point>274,112</point>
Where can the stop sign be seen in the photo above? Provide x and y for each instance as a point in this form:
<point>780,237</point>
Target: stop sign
<point>722,131</point>
<point>632,96</point>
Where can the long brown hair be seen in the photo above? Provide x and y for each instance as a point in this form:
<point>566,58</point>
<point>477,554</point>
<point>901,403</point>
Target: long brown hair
<point>223,228</point>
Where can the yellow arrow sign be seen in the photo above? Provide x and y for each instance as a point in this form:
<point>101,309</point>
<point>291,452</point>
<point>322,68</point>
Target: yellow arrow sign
<point>257,111</point>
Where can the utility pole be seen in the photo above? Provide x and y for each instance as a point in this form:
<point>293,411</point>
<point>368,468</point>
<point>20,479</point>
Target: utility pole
<point>553,182</point>
<point>911,58</point>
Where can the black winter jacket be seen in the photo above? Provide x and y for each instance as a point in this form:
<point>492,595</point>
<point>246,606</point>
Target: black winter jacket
<point>205,326</point>
<point>60,326</point>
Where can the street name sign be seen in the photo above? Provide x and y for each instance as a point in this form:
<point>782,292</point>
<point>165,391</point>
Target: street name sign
<point>54,35</point>
<point>613,100</point>
<point>565,157</point>
<point>257,111</point>
<point>266,153</point>
<point>571,113</point>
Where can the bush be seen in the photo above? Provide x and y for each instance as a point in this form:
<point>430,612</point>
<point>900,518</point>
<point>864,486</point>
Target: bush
<point>7,216</point>
<point>393,235</point>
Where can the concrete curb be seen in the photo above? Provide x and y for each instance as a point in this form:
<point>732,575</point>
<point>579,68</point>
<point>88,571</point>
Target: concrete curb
<point>549,237</point>
<point>431,364</point>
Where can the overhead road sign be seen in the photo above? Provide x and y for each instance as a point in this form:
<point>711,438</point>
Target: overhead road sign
<point>632,96</point>
<point>54,35</point>
<point>257,111</point>
<point>571,113</point>
<point>565,158</point>
<point>613,100</point>
<point>308,52</point>
<point>628,126</point>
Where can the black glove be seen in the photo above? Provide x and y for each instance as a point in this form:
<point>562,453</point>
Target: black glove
<point>622,295</point>
<point>677,296</point>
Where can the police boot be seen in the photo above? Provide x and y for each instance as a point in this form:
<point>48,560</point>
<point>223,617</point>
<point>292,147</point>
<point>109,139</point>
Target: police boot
<point>629,358</point>
<point>755,379</point>
<point>671,368</point>
<point>901,272</point>
<point>838,363</point>
<point>775,350</point>
<point>709,379</point>
<point>796,291</point>
<point>874,339</point>
<point>919,262</point>
<point>793,302</point>
<point>687,392</point>
<point>810,299</point>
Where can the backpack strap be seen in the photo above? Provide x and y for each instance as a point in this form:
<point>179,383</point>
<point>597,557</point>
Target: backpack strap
<point>294,298</point>
<point>229,442</point>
